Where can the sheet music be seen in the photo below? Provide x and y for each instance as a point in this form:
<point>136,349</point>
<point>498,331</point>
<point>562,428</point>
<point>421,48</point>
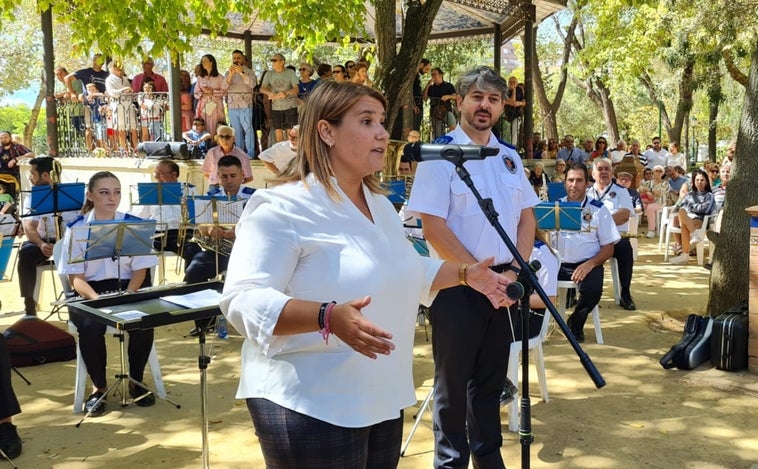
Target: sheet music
<point>228,212</point>
<point>199,299</point>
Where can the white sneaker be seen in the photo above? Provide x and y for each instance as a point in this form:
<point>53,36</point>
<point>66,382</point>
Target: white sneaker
<point>681,259</point>
<point>696,237</point>
<point>651,234</point>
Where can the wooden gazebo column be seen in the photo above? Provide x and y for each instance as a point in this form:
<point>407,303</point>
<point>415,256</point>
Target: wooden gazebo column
<point>529,10</point>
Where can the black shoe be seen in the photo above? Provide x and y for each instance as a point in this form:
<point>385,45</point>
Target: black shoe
<point>142,397</point>
<point>10,442</point>
<point>93,407</point>
<point>577,331</point>
<point>628,304</point>
<point>509,393</point>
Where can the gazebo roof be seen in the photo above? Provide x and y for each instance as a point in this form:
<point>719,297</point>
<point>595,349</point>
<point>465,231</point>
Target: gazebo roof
<point>455,19</point>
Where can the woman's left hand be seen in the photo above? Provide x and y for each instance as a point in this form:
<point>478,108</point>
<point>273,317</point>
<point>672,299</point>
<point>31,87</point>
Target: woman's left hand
<point>481,278</point>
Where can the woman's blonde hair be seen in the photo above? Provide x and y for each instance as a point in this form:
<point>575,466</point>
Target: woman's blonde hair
<point>330,101</point>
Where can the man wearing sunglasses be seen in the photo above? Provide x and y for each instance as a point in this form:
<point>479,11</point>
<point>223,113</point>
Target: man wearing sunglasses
<point>280,85</point>
<point>226,146</point>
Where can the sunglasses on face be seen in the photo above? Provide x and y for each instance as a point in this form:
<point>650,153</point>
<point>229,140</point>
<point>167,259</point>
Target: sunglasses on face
<point>225,137</point>
<point>303,69</point>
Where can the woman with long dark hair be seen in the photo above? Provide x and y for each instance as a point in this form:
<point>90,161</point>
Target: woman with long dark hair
<point>91,278</point>
<point>210,91</point>
<point>693,208</point>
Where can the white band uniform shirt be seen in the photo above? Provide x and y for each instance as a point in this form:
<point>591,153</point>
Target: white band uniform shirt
<point>75,243</point>
<point>615,198</point>
<point>547,276</point>
<point>445,195</point>
<point>598,229</point>
<point>244,192</point>
<point>311,247</point>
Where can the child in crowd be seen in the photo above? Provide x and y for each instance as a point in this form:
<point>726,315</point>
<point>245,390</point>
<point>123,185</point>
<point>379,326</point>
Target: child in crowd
<point>197,137</point>
<point>7,202</point>
<point>95,110</point>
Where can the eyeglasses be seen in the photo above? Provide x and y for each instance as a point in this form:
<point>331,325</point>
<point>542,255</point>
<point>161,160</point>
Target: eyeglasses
<point>658,171</point>
<point>303,69</point>
<point>276,60</point>
<point>351,66</point>
<point>714,171</point>
<point>656,143</point>
<point>225,137</point>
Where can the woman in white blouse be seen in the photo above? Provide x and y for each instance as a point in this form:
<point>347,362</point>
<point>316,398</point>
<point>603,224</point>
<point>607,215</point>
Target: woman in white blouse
<point>326,291</point>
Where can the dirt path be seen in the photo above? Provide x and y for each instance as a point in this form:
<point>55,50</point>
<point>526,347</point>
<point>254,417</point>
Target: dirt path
<point>644,417</point>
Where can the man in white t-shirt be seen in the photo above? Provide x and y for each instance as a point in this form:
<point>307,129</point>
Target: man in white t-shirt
<point>654,156</point>
<point>279,155</point>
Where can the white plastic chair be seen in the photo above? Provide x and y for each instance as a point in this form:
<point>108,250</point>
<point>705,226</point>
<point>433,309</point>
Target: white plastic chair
<point>699,247</point>
<point>563,286</point>
<point>80,382</point>
<point>663,223</point>
<point>514,366</point>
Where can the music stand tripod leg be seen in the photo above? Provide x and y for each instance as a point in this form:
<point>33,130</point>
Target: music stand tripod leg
<point>203,361</point>
<point>5,456</point>
<point>421,411</point>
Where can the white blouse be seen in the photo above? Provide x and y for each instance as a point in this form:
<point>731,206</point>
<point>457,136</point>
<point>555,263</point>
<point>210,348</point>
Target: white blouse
<point>294,241</point>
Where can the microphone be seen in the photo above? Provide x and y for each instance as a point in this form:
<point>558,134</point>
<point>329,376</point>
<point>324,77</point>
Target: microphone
<point>418,151</point>
<point>514,291</point>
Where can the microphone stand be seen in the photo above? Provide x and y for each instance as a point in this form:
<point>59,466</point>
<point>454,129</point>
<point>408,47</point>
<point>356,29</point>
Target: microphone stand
<point>530,283</point>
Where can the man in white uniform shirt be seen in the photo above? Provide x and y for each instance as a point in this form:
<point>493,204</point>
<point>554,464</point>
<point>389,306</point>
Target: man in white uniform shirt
<point>618,201</point>
<point>471,339</point>
<point>655,156</point>
<point>584,252</point>
<point>40,230</point>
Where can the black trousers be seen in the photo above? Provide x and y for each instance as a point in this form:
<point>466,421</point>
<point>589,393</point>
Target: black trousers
<point>29,257</point>
<point>202,265</point>
<point>590,291</point>
<point>92,339</point>
<point>292,440</point>
<point>622,252</point>
<point>8,402</point>
<point>470,344</point>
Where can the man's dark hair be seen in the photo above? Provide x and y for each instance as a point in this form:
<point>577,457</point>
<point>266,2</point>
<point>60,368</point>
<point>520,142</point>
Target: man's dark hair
<point>438,70</point>
<point>237,51</point>
<point>425,62</point>
<point>227,161</point>
<point>45,164</point>
<point>170,164</point>
<point>323,69</point>
<point>581,167</point>
<point>679,170</point>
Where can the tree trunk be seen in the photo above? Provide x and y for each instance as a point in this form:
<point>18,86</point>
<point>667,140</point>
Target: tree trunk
<point>647,82</point>
<point>601,96</point>
<point>730,276</point>
<point>32,123</point>
<point>684,105</point>
<point>397,71</point>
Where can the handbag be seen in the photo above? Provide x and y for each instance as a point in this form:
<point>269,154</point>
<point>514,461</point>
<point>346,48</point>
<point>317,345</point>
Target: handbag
<point>439,112</point>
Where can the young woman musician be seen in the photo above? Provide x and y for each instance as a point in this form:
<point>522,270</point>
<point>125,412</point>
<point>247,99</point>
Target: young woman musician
<point>91,278</point>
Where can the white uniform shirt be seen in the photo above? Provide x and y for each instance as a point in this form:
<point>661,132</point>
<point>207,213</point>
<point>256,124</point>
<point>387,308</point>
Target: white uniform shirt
<point>547,276</point>
<point>437,190</point>
<point>597,230</point>
<point>279,154</point>
<point>614,197</point>
<point>294,241</point>
<point>74,245</point>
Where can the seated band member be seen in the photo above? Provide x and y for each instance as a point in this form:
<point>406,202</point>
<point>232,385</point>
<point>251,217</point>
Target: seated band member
<point>167,171</point>
<point>10,442</point>
<point>91,278</point>
<point>203,265</point>
<point>584,252</point>
<point>40,231</point>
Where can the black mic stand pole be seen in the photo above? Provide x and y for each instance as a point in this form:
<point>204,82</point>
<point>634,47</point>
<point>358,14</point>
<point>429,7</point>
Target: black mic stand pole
<point>528,279</point>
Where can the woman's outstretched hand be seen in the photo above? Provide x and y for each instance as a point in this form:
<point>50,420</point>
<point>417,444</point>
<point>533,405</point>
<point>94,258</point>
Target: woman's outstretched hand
<point>481,278</point>
<point>349,325</point>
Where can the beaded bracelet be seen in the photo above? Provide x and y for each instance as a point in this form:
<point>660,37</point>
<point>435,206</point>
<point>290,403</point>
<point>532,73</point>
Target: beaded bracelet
<point>321,312</point>
<point>326,330</point>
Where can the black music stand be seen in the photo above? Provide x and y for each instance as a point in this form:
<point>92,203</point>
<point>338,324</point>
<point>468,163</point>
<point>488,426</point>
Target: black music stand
<point>160,194</point>
<point>55,199</point>
<point>112,239</point>
<point>215,211</point>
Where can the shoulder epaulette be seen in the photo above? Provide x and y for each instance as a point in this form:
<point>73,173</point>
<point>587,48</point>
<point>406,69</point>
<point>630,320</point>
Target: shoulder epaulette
<point>129,216</point>
<point>596,203</point>
<point>444,140</point>
<point>247,190</point>
<point>75,221</point>
<point>214,191</point>
<point>538,243</point>
<point>504,143</point>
